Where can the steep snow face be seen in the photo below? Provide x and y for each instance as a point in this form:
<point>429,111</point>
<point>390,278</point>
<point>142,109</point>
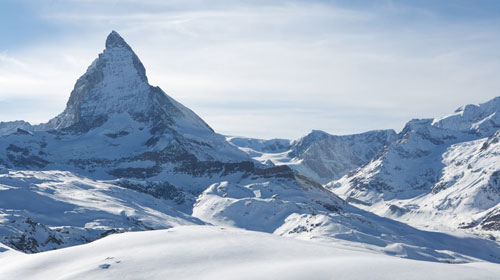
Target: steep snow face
<point>470,185</point>
<point>203,252</point>
<point>439,173</point>
<point>471,168</point>
<point>407,168</point>
<point>467,194</point>
<point>482,119</point>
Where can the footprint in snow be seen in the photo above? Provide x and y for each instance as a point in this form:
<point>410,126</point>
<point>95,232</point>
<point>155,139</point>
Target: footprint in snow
<point>104,266</point>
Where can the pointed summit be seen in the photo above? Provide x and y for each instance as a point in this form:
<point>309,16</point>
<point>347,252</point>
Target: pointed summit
<point>115,43</point>
<point>114,40</point>
<point>114,85</point>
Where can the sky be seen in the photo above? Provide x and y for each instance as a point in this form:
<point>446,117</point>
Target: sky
<point>263,69</point>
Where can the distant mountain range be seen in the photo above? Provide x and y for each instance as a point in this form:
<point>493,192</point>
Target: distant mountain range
<point>124,156</point>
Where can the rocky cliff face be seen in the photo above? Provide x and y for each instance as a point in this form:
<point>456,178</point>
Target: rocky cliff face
<point>326,157</point>
<point>116,83</point>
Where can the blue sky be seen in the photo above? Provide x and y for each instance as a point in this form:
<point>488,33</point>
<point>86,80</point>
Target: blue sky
<point>263,68</point>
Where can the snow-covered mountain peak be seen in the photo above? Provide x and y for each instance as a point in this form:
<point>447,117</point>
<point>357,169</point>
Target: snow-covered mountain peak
<point>114,40</point>
<point>314,135</point>
<point>317,133</point>
<point>116,84</point>
<point>114,114</point>
<point>483,119</point>
<point>116,44</point>
<point>122,53</point>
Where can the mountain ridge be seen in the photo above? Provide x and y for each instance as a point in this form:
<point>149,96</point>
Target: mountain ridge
<point>442,168</point>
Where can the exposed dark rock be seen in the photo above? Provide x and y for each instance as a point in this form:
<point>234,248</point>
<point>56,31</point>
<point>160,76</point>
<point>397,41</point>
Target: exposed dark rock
<point>163,190</point>
<point>492,222</point>
<point>28,161</point>
<point>136,172</point>
<point>118,134</point>
<point>17,149</point>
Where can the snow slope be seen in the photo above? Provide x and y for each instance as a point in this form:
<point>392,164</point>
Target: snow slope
<point>306,211</point>
<point>482,119</point>
<point>440,174</point>
<point>44,210</point>
<point>53,209</point>
<point>200,252</point>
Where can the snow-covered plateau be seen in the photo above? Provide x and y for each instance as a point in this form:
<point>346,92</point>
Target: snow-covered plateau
<point>128,183</point>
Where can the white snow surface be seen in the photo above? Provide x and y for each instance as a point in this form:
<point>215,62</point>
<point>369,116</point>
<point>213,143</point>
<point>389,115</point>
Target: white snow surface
<point>483,119</point>
<point>60,209</point>
<point>466,193</point>
<point>203,252</point>
<point>44,210</point>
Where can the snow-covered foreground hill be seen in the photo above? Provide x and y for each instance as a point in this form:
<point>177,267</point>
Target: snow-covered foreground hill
<point>205,252</point>
<point>45,210</point>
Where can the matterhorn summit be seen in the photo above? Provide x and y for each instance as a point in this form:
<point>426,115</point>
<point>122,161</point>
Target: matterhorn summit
<point>116,84</point>
<point>116,124</point>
